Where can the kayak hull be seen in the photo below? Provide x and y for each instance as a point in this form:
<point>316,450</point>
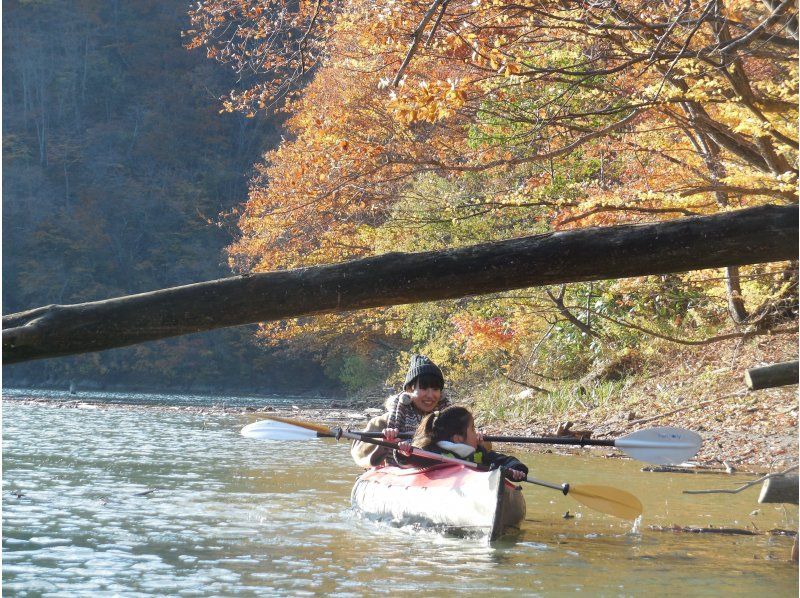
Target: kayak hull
<point>454,497</point>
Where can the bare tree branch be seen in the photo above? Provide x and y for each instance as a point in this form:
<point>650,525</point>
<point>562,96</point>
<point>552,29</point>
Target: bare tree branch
<point>745,486</point>
<point>416,37</point>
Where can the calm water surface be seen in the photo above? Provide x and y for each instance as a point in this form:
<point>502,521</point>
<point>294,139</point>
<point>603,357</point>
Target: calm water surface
<point>234,516</point>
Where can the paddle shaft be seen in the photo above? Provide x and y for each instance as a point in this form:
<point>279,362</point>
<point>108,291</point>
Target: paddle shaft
<point>562,487</point>
<point>553,440</point>
<point>521,439</point>
<point>664,445</point>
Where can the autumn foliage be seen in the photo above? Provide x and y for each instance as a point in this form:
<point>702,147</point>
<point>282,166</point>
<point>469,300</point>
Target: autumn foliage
<point>422,125</point>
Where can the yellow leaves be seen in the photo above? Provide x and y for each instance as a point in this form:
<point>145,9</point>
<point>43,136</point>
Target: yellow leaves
<point>755,179</point>
<point>785,91</point>
<point>703,89</point>
<point>495,59</point>
<point>750,125</point>
<point>734,8</point>
<point>433,101</point>
<point>787,178</point>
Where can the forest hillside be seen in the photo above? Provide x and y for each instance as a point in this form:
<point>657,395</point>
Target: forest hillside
<point>116,168</point>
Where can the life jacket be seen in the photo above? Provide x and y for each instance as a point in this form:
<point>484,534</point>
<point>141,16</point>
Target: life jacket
<point>482,455</point>
<point>458,450</point>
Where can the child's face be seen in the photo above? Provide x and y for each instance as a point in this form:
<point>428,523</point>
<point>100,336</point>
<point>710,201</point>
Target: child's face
<point>470,437</point>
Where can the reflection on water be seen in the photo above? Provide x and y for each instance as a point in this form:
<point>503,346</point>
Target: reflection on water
<point>228,515</point>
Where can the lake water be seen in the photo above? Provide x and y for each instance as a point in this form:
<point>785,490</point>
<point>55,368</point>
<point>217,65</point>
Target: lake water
<point>235,516</point>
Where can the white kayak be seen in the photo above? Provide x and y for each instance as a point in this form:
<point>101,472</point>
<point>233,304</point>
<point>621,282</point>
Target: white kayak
<point>452,497</point>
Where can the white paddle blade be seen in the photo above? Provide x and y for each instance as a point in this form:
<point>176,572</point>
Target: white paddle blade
<point>274,430</point>
<point>661,446</point>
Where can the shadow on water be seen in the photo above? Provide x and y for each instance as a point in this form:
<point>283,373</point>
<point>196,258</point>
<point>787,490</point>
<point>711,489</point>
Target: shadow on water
<point>170,503</point>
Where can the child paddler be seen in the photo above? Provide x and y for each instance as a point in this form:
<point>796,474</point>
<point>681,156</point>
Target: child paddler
<point>452,433</point>
<point>422,393</point>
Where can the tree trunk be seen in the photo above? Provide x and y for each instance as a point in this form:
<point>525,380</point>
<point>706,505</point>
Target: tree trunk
<point>733,288</point>
<point>756,235</point>
<point>779,374</point>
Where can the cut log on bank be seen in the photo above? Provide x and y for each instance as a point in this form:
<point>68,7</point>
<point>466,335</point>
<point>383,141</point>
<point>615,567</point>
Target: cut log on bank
<point>770,376</point>
<point>780,489</point>
<point>755,235</point>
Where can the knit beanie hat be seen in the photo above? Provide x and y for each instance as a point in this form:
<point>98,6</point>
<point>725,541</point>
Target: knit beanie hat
<point>421,365</point>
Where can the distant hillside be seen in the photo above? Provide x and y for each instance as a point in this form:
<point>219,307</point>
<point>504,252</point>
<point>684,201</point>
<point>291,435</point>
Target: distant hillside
<point>116,166</point>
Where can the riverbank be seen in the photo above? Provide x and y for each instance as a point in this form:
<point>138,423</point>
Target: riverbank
<point>697,387</point>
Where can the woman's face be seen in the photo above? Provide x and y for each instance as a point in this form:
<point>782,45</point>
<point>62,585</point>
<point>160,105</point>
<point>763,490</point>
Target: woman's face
<point>425,399</point>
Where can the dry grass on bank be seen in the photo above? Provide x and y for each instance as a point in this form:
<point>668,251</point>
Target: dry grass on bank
<point>701,388</point>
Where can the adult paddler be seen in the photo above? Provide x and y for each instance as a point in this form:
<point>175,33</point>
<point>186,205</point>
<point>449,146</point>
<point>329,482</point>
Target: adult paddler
<point>421,395</point>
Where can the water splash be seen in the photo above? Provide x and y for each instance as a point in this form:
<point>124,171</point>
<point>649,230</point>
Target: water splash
<point>636,527</point>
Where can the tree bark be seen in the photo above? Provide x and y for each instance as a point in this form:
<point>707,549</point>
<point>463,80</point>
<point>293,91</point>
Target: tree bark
<point>791,22</point>
<point>756,235</point>
<point>733,288</point>
<point>779,374</point>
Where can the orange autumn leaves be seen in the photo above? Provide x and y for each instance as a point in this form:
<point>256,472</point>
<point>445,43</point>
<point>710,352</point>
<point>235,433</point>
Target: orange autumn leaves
<point>272,44</point>
<point>532,115</point>
<point>480,336</point>
<point>431,102</point>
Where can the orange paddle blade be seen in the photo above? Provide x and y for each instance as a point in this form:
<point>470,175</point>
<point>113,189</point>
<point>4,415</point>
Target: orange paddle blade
<point>302,424</point>
<point>606,499</point>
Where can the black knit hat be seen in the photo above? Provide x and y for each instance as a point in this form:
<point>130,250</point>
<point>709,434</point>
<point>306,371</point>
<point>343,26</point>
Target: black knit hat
<point>420,366</point>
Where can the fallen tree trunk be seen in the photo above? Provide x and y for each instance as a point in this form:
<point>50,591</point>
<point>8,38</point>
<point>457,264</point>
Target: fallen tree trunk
<point>770,376</point>
<point>756,235</point>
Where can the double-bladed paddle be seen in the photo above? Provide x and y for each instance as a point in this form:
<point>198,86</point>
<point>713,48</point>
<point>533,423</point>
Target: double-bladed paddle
<point>605,499</point>
<point>660,446</point>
